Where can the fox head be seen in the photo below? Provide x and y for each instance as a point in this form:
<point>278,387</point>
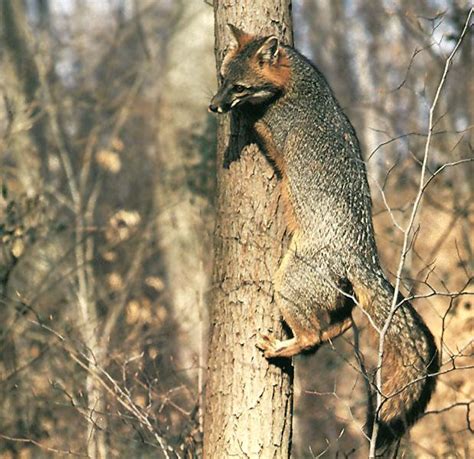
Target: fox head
<point>253,72</point>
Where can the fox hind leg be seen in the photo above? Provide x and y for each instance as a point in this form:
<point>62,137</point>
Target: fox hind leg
<point>301,341</point>
<point>313,307</point>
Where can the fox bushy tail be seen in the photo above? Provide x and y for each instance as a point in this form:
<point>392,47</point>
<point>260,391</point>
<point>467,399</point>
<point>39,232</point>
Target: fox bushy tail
<point>409,360</point>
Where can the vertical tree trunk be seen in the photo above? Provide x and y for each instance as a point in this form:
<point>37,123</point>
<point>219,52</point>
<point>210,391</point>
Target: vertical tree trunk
<point>19,61</point>
<point>182,228</point>
<point>248,400</point>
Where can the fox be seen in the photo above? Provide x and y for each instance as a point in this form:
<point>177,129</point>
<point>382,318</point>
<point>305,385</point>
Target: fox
<point>332,263</point>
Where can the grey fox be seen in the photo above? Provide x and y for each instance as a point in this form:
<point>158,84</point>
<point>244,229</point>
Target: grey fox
<point>332,258</point>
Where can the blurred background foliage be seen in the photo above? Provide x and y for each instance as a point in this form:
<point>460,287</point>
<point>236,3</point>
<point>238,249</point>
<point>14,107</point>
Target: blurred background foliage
<point>107,175</point>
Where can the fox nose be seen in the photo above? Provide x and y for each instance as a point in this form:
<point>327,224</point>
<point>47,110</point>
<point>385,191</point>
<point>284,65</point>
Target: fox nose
<point>213,108</point>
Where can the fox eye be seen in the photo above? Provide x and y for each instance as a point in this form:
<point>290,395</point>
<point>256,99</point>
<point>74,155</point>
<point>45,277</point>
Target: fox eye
<point>239,88</point>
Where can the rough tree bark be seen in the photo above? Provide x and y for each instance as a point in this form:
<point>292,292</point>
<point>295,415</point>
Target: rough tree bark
<point>248,401</point>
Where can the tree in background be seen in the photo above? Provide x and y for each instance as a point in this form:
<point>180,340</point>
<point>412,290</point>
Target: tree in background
<point>185,174</point>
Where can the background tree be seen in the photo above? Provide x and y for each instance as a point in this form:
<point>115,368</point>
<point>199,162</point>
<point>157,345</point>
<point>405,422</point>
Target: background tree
<point>185,174</point>
<point>248,401</point>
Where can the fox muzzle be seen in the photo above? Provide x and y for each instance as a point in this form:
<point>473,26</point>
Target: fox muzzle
<point>222,102</point>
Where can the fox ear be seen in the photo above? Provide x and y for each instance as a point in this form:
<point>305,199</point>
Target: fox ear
<point>241,38</point>
<point>268,52</point>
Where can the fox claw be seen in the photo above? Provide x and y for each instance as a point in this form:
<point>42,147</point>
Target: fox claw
<point>268,344</point>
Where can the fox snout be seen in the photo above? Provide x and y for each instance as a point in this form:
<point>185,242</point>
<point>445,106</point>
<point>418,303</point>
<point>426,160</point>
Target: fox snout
<point>220,103</point>
<point>213,108</point>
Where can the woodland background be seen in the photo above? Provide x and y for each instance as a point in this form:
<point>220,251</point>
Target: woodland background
<point>107,176</point>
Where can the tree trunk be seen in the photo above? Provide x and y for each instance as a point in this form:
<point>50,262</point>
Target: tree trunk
<point>184,233</point>
<point>20,64</point>
<point>248,399</point>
